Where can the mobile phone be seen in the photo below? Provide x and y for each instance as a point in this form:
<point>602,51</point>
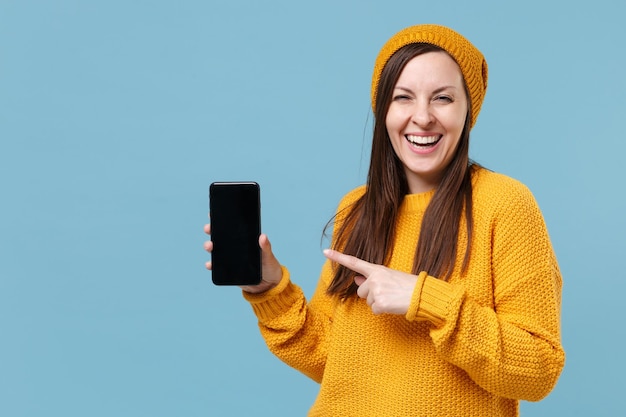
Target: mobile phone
<point>235,212</point>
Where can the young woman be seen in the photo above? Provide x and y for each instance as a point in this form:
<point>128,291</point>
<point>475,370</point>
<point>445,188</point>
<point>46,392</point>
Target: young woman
<point>441,295</point>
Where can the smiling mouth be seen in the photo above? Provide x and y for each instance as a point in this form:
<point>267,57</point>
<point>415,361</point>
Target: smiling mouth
<point>423,141</point>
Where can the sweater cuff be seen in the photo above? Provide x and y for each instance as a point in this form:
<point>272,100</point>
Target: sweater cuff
<point>411,314</point>
<point>273,302</point>
<point>430,300</point>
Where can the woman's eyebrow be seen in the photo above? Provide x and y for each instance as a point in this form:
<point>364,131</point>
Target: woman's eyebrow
<point>445,87</point>
<point>399,87</point>
<point>436,91</point>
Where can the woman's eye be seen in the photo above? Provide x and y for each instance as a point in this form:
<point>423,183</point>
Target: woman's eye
<point>446,99</point>
<point>401,98</point>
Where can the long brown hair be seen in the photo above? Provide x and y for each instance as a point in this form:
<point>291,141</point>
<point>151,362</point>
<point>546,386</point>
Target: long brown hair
<point>367,228</point>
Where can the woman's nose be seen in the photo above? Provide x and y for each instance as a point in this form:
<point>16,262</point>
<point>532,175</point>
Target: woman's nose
<point>422,115</point>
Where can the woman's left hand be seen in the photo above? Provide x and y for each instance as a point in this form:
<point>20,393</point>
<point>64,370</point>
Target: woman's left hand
<point>386,290</point>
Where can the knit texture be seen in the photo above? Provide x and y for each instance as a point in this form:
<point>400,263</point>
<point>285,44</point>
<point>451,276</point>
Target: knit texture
<point>471,346</point>
<point>470,60</point>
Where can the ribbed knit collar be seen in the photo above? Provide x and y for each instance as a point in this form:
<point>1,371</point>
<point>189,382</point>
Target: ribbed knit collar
<point>416,202</point>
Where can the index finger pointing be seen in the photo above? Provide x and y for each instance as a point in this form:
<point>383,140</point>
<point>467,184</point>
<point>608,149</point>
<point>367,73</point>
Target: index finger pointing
<point>352,262</point>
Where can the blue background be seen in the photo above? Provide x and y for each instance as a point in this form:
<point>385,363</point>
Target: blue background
<point>116,115</point>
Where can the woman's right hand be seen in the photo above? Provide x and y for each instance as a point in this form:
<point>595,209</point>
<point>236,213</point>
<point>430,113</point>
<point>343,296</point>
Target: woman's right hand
<point>271,270</point>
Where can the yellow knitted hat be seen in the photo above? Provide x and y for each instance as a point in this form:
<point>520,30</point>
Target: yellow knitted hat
<point>471,60</point>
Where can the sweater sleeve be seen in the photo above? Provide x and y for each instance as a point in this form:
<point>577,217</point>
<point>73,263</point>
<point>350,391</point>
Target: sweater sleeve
<point>297,332</point>
<point>512,349</point>
<point>294,330</point>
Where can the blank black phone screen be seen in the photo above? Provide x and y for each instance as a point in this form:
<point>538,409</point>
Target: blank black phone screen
<point>235,211</point>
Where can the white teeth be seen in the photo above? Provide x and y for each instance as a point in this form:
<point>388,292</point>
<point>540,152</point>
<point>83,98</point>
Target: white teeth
<point>422,140</point>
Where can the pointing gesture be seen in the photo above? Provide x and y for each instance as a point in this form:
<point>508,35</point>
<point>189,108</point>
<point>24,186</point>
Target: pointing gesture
<point>386,290</point>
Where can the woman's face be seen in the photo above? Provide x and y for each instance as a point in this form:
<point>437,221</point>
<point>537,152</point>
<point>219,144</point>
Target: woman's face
<point>426,117</point>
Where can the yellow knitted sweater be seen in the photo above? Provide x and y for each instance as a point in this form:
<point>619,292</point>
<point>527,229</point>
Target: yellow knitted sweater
<point>471,346</point>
